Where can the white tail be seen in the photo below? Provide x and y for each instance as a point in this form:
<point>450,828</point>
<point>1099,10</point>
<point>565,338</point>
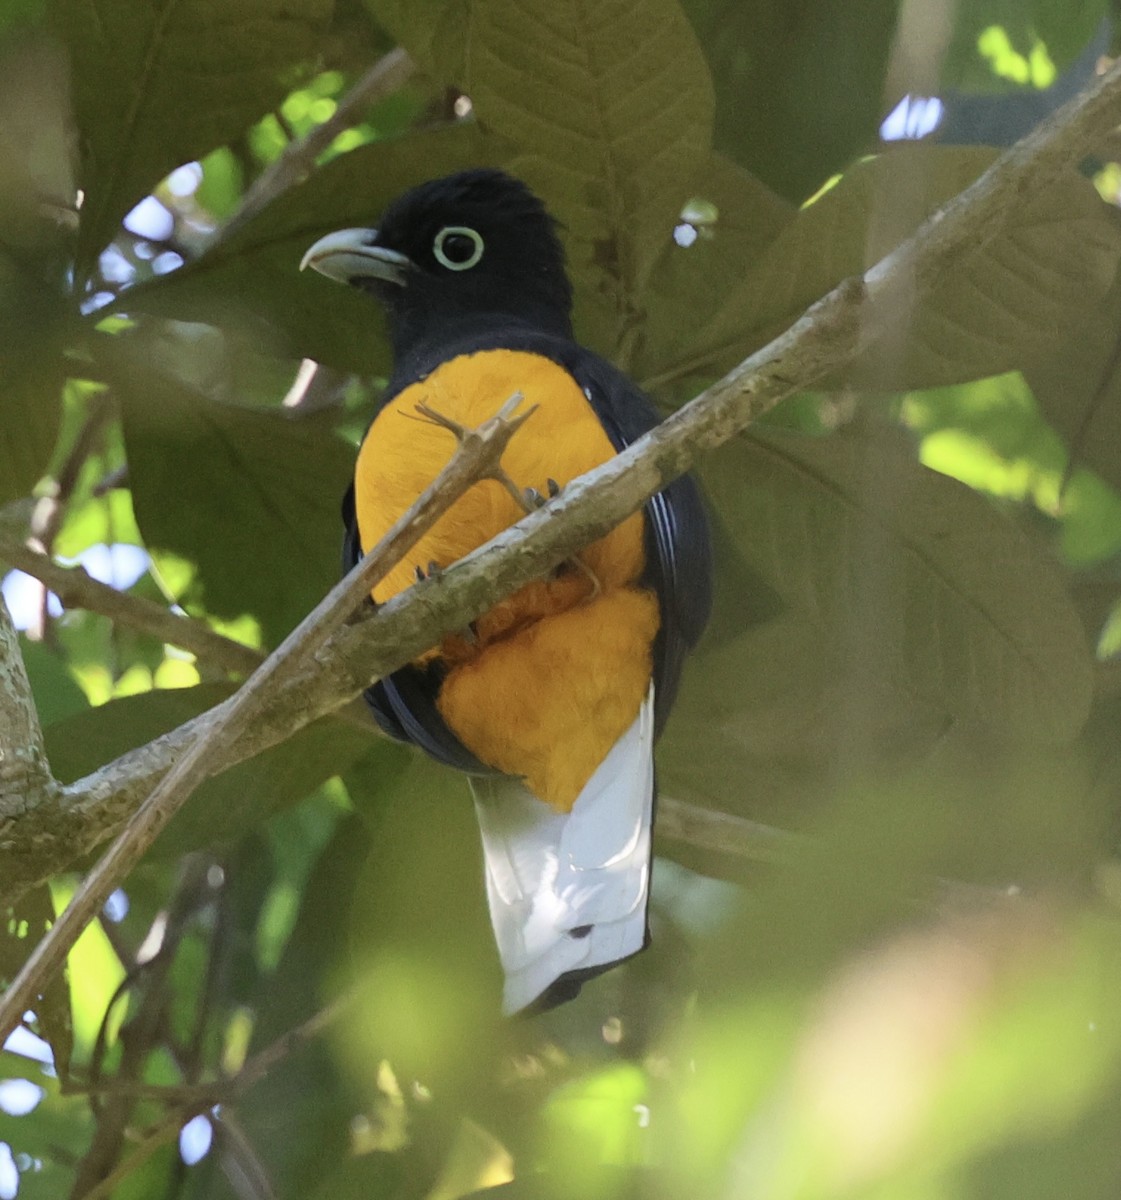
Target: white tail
<point>568,891</point>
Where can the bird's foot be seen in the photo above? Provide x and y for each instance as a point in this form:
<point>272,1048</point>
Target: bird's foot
<point>470,634</point>
<point>577,563</point>
<point>531,500</point>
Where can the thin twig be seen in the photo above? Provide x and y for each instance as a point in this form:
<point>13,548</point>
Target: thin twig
<point>723,833</point>
<point>159,1135</point>
<point>149,990</point>
<point>479,455</point>
<point>298,160</point>
<point>50,511</point>
<point>276,1051</point>
<point>242,1166</point>
<point>76,588</point>
<point>214,1091</point>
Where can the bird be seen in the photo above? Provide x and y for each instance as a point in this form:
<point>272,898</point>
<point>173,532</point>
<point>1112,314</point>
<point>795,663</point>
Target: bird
<point>552,700</point>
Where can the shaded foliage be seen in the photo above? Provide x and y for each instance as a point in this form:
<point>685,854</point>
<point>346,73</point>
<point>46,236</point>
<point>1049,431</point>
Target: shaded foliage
<point>910,670</point>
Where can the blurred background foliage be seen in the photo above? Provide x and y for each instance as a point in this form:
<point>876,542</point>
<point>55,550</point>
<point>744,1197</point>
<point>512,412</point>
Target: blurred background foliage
<point>887,946</point>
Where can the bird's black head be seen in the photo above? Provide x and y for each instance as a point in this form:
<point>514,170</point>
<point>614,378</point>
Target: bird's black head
<point>476,247</point>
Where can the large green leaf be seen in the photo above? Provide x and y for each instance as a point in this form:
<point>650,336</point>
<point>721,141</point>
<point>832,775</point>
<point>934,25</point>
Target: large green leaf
<point>251,496</point>
<point>1079,389</point>
<point>999,307</point>
<point>735,219</point>
<point>298,1114</point>
<point>30,413</point>
<point>32,316</point>
<point>913,609</point>
<point>992,435</point>
<point>230,804</point>
<point>251,280</point>
<point>156,84</point>
<point>19,13</point>
<point>57,694</point>
<point>611,107</point>
<point>799,84</point>
<point>22,926</point>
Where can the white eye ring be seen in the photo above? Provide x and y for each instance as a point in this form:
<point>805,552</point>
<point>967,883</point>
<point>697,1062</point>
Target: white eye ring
<point>457,231</point>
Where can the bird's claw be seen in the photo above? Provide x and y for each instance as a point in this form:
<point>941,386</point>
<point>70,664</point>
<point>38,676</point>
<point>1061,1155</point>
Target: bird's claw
<point>430,572</point>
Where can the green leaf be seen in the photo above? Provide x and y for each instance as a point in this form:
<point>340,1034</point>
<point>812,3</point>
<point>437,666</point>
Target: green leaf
<point>799,84</point>
<point>421,938</point>
<point>912,608</point>
<point>1078,388</point>
<point>614,141</point>
<point>251,281</point>
<point>22,927</point>
<point>58,1121</point>
<point>1063,26</point>
<point>158,84</point>
<point>30,414</point>
<point>298,1114</point>
<point>150,1175</point>
<point>1006,303</point>
<point>689,284</point>
<point>991,435</point>
<point>20,13</point>
<point>32,316</point>
<point>249,495</point>
<point>230,804</point>
<point>57,694</point>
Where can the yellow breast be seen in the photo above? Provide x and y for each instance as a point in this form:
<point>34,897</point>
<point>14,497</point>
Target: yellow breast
<point>554,675</point>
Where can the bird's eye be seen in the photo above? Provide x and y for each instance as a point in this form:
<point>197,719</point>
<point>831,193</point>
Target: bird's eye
<point>457,247</point>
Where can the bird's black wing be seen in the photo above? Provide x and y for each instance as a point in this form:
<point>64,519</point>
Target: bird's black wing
<point>404,703</point>
<point>678,546</point>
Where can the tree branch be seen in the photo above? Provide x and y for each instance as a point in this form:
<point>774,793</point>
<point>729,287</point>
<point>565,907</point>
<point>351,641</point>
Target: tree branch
<point>76,588</point>
<point>297,161</point>
<point>25,778</point>
<point>723,833</point>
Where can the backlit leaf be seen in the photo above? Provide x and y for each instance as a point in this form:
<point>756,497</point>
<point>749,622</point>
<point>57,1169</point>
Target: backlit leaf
<point>249,495</point>
<point>251,281</point>
<point>994,310</point>
<point>158,84</point>
<point>912,608</point>
<point>614,141</point>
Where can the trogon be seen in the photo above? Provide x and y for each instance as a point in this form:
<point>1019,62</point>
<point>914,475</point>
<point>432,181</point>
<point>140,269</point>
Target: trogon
<point>553,699</point>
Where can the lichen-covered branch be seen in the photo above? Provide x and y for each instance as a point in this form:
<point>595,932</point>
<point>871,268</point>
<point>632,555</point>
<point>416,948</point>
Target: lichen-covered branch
<point>25,778</point>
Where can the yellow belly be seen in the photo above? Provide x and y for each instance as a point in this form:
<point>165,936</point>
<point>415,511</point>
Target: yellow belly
<point>554,676</point>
